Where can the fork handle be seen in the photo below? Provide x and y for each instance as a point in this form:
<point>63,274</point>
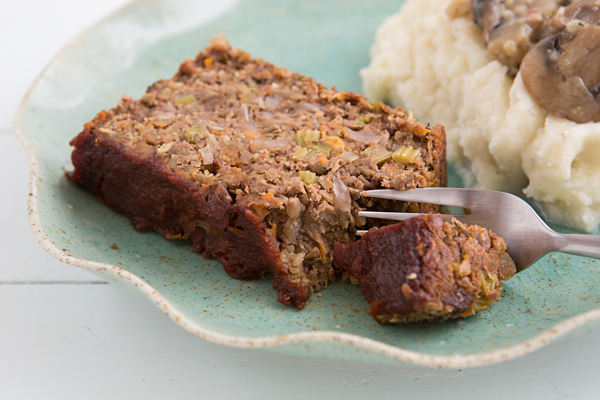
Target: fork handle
<point>580,245</point>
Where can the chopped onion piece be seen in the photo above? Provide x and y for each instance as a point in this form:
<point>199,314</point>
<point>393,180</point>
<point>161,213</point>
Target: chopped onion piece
<point>266,144</point>
<point>212,140</point>
<point>294,207</point>
<point>261,103</point>
<point>207,155</point>
<point>312,107</point>
<point>245,157</point>
<point>215,127</point>
<point>167,116</point>
<point>363,136</point>
<point>245,112</point>
<point>290,231</point>
<point>272,102</point>
<point>385,138</point>
<point>342,200</point>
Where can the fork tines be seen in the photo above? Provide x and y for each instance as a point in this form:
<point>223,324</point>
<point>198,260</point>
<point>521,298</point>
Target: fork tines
<point>439,196</point>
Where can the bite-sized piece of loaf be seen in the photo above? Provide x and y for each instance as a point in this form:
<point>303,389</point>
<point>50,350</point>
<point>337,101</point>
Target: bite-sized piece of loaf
<point>426,269</point>
<point>256,166</point>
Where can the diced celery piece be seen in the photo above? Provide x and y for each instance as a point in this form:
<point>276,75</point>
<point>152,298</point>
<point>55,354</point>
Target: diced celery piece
<point>304,138</point>
<point>185,100</point>
<point>379,154</point>
<point>350,156</point>
<point>308,177</point>
<point>311,153</point>
<point>365,119</point>
<point>192,133</point>
<point>406,155</point>
<point>323,147</point>
<point>300,154</point>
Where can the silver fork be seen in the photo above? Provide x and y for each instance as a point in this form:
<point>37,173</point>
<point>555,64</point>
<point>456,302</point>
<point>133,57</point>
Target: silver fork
<point>528,238</point>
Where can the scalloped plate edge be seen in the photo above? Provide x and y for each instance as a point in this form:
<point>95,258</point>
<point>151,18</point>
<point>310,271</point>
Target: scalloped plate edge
<point>136,283</point>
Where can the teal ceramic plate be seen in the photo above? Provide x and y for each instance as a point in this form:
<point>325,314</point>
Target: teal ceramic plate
<point>326,39</point>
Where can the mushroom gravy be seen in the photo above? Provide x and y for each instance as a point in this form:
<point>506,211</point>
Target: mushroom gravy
<point>555,44</point>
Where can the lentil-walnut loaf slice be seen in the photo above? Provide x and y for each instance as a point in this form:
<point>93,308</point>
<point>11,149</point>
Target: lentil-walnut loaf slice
<point>256,166</point>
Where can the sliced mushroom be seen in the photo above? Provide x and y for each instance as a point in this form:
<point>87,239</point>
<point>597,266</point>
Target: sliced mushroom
<point>578,13</point>
<point>511,28</point>
<point>486,15</point>
<point>556,46</point>
<point>562,74</point>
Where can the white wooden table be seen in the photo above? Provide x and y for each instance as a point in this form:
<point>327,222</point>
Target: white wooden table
<point>65,334</point>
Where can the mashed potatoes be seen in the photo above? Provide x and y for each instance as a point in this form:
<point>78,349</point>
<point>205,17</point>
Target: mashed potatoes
<point>498,137</point>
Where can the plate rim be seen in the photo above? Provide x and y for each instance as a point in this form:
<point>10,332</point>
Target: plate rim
<point>353,340</point>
